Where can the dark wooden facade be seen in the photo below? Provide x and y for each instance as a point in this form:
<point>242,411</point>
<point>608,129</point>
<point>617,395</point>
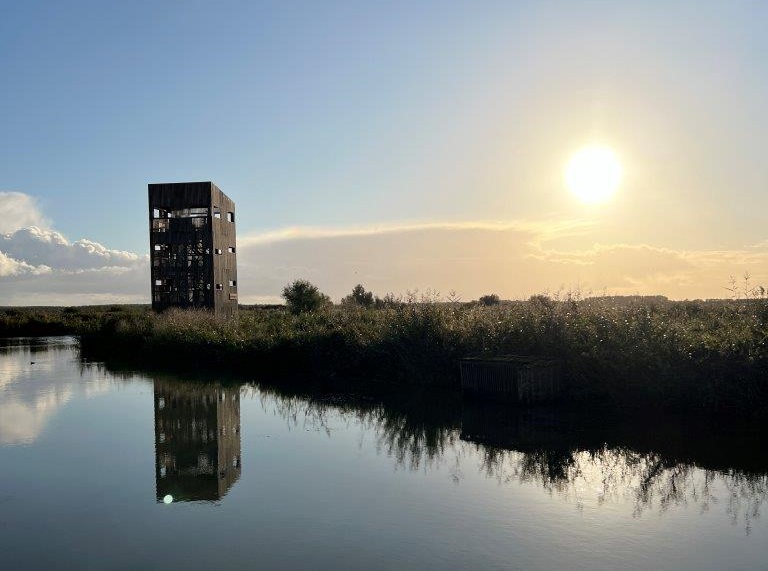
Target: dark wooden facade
<point>514,378</point>
<point>197,440</point>
<point>192,247</point>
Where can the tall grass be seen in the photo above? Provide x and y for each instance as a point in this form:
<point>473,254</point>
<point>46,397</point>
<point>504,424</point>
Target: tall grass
<point>41,321</point>
<point>702,355</point>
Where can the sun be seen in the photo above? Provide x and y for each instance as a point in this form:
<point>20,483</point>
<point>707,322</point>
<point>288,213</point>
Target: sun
<point>593,174</point>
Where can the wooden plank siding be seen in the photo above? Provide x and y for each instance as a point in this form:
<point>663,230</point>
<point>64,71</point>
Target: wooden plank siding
<point>192,244</point>
<point>512,378</point>
<point>197,440</point>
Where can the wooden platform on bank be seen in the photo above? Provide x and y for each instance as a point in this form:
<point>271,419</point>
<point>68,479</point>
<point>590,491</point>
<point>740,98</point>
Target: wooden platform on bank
<point>522,379</point>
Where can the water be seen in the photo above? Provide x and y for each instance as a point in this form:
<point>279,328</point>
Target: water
<point>106,470</point>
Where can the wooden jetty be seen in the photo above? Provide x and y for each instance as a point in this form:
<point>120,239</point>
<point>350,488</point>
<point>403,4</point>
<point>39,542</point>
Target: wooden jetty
<point>522,379</point>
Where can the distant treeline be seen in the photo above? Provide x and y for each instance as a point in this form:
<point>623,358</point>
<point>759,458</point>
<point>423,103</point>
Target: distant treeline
<point>702,355</point>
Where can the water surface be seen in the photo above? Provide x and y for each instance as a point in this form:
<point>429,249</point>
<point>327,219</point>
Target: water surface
<point>123,470</point>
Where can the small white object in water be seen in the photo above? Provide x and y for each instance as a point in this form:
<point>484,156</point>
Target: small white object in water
<point>168,499</point>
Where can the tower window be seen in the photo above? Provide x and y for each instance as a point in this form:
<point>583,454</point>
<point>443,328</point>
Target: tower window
<point>219,286</point>
<point>218,251</point>
<point>231,249</point>
<point>232,283</point>
<point>230,216</point>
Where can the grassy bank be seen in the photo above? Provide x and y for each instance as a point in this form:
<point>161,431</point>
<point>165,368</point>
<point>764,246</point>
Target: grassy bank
<point>44,320</point>
<point>695,355</point>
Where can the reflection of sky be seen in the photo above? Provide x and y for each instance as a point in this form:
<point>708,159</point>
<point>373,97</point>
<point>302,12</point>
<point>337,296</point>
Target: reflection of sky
<point>34,385</point>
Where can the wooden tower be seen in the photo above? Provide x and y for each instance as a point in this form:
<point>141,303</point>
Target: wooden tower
<point>197,440</point>
<point>192,247</point>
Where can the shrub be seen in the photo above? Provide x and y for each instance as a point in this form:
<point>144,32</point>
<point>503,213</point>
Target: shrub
<point>490,299</point>
<point>302,296</point>
<point>359,297</point>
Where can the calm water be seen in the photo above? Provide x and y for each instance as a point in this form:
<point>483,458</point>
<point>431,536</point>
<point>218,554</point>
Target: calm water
<point>102,470</point>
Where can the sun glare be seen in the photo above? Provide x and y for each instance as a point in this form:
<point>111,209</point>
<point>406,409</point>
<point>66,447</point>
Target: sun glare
<point>593,174</point>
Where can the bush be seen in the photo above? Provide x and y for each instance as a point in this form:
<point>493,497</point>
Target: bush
<point>490,299</point>
<point>302,296</point>
<point>359,297</point>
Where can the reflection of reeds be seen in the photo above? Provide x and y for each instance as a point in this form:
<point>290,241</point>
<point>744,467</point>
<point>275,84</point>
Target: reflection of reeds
<point>650,481</point>
<point>655,462</point>
<point>549,449</point>
<point>413,435</point>
<point>412,444</point>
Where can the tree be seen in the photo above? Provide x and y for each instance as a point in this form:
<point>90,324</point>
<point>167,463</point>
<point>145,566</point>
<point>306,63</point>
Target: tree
<point>359,297</point>
<point>489,299</point>
<point>302,296</point>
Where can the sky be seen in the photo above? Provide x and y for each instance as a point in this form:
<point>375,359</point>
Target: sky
<point>402,145</point>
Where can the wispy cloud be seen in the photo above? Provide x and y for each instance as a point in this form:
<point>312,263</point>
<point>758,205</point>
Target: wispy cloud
<point>541,230</point>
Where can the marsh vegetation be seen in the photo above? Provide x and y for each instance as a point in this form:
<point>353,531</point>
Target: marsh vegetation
<point>696,355</point>
<point>702,355</point>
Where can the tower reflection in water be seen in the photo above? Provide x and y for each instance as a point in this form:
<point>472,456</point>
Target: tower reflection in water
<point>197,440</point>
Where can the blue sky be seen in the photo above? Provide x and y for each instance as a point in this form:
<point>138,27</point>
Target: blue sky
<point>348,116</point>
<point>307,113</point>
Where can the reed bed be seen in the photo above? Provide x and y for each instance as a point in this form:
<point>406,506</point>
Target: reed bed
<point>702,355</point>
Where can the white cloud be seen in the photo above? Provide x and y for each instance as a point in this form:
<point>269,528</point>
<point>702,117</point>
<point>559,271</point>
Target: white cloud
<point>37,247</point>
<point>32,394</point>
<point>40,266</point>
<point>18,210</point>
<point>111,284</point>
<point>11,267</point>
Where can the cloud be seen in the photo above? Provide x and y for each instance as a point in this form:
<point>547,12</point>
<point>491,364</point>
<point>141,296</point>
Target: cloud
<point>18,210</point>
<point>31,395</point>
<point>128,283</point>
<point>49,248</point>
<point>514,260</point>
<point>40,266</point>
<point>39,247</point>
<point>616,265</point>
<point>544,230</point>
<point>11,267</point>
